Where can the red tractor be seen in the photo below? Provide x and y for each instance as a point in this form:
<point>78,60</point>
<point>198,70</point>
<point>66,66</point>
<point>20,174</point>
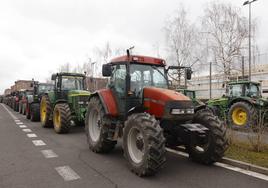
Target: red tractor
<point>138,107</point>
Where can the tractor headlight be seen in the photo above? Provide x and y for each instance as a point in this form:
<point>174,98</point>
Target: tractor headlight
<point>182,111</point>
<point>80,102</point>
<point>190,111</point>
<point>177,111</point>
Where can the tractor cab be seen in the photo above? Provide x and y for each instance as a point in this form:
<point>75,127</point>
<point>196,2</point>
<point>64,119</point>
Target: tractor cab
<point>244,89</point>
<point>67,83</point>
<point>139,81</point>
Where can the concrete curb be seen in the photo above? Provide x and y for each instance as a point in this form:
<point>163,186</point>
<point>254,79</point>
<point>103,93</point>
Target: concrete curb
<point>236,163</point>
<point>245,166</point>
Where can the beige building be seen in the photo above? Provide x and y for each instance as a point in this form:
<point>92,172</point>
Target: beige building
<point>201,83</point>
<point>7,91</point>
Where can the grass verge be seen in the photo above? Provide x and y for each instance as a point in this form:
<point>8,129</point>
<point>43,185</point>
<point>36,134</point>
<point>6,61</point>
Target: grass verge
<point>243,152</point>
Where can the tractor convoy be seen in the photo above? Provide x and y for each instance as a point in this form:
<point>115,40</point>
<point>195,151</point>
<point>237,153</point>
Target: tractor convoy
<point>140,108</point>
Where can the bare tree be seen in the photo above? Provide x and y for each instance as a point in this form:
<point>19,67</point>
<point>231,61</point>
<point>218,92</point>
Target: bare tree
<point>182,40</point>
<point>65,67</point>
<point>104,54</point>
<point>226,32</point>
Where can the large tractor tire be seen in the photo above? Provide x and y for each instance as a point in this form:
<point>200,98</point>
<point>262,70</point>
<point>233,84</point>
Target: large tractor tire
<point>214,146</point>
<point>28,111</point>
<point>97,128</point>
<point>144,144</point>
<point>45,112</point>
<point>35,112</point>
<point>62,118</point>
<point>242,115</point>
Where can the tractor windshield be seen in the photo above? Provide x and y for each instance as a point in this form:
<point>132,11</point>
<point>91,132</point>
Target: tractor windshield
<point>72,83</point>
<point>147,75</point>
<point>253,90</point>
<point>236,90</point>
<point>45,88</point>
<point>190,94</point>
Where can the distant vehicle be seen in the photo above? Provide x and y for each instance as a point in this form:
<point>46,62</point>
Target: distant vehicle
<point>192,95</point>
<point>23,100</point>
<point>33,101</point>
<point>240,104</point>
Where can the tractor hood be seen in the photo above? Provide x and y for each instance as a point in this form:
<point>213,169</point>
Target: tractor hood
<point>161,95</point>
<point>167,104</point>
<point>261,101</point>
<point>74,93</point>
<point>220,101</point>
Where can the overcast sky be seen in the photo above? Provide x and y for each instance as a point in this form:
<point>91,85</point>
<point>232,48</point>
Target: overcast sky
<point>37,36</point>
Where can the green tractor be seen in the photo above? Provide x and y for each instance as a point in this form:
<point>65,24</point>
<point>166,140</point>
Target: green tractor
<point>240,105</point>
<point>33,101</point>
<point>66,105</point>
<point>192,95</point>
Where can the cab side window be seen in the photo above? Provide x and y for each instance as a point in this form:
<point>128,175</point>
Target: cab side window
<point>118,79</point>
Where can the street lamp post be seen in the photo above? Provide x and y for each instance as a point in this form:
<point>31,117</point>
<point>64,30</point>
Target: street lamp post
<point>249,37</point>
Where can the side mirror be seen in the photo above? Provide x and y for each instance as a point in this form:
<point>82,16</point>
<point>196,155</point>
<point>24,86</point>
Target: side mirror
<point>188,73</point>
<point>53,77</point>
<point>106,70</point>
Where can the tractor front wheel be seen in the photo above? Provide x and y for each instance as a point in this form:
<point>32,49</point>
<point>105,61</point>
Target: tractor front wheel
<point>213,147</point>
<point>144,144</point>
<point>62,118</point>
<point>35,112</point>
<point>45,111</point>
<point>97,128</point>
<point>242,115</point>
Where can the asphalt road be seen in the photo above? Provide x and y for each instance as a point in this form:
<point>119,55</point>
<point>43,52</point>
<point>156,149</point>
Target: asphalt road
<point>72,164</point>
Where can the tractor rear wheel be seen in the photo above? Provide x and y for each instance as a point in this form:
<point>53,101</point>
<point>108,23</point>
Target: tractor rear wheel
<point>23,109</point>
<point>28,111</point>
<point>144,144</point>
<point>45,111</point>
<point>62,118</point>
<point>215,144</point>
<point>97,128</point>
<point>242,115</point>
<point>35,112</point>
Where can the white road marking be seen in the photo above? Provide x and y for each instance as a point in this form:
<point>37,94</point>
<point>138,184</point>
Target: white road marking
<point>27,130</point>
<point>32,135</point>
<point>67,173</point>
<point>243,171</point>
<point>22,126</point>
<point>19,123</point>
<point>17,120</point>
<point>10,113</point>
<point>178,152</point>
<point>49,153</point>
<point>226,166</point>
<point>39,143</point>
